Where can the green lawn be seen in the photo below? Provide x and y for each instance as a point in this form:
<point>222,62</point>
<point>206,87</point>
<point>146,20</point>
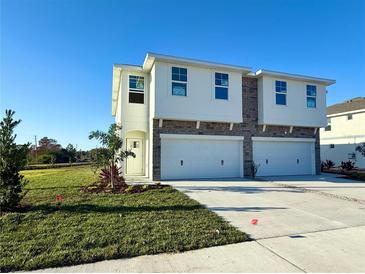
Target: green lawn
<point>93,227</point>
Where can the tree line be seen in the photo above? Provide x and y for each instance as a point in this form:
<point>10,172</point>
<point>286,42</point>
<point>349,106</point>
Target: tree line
<point>48,151</point>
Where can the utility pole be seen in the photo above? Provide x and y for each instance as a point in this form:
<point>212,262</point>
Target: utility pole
<point>35,146</point>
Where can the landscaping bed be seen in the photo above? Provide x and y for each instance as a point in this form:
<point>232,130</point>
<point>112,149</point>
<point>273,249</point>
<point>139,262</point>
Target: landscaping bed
<point>355,174</point>
<point>82,227</point>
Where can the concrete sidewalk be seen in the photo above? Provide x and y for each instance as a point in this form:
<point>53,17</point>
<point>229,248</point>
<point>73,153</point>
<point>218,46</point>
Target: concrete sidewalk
<point>243,257</point>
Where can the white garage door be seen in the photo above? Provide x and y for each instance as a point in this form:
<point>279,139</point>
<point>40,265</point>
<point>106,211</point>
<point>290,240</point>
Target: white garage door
<point>284,156</point>
<point>201,156</point>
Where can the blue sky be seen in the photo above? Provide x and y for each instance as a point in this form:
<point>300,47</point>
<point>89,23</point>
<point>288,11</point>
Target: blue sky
<point>57,55</point>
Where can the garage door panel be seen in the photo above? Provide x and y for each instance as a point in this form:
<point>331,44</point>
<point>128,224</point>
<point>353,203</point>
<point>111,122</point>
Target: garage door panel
<point>190,158</point>
<point>283,158</point>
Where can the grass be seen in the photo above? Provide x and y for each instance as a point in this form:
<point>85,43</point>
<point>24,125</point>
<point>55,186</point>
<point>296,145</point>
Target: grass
<point>92,227</point>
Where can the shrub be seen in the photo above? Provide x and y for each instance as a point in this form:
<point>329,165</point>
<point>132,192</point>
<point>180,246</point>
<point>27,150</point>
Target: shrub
<point>254,169</point>
<point>347,165</point>
<point>361,148</point>
<point>13,158</point>
<point>328,164</point>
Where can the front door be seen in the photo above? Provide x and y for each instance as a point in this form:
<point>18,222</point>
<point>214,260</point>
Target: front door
<point>135,165</point>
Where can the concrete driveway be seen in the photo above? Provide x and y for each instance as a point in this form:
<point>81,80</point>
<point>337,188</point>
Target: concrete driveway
<point>316,228</point>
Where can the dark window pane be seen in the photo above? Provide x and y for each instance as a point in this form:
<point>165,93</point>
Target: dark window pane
<point>311,90</point>
<point>175,77</point>
<point>132,83</point>
<point>179,74</point>
<point>281,99</point>
<point>221,79</point>
<point>221,93</point>
<point>311,102</point>
<point>179,89</point>
<point>137,98</point>
<point>280,86</point>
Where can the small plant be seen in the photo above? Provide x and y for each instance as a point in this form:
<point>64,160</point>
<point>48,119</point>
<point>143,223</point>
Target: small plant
<point>349,165</point>
<point>110,155</point>
<point>328,164</point>
<point>254,169</point>
<point>106,173</point>
<point>59,200</point>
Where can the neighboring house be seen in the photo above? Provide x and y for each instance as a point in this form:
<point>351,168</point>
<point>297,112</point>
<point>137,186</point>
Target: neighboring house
<point>188,118</point>
<point>344,132</point>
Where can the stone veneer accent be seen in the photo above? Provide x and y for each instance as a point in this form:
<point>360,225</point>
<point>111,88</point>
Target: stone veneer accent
<point>249,128</point>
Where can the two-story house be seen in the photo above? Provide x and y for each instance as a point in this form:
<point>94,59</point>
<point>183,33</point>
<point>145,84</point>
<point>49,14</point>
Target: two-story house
<point>344,132</point>
<point>186,118</point>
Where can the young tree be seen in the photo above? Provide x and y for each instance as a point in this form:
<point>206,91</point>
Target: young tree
<point>112,151</point>
<point>12,158</point>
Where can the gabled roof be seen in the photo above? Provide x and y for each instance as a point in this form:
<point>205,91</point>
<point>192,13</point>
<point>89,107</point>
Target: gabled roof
<point>349,105</point>
<point>285,75</point>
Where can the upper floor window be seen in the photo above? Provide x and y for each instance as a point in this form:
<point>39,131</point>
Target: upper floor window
<point>136,89</point>
<point>221,86</point>
<point>349,117</point>
<point>328,127</point>
<point>280,92</point>
<point>179,79</point>
<point>311,96</point>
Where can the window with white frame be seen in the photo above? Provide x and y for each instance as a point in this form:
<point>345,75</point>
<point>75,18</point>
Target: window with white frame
<point>311,96</point>
<point>136,89</point>
<point>179,77</point>
<point>221,86</point>
<point>280,92</point>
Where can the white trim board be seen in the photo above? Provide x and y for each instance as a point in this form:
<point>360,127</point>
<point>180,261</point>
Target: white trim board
<point>283,139</point>
<point>346,113</point>
<point>201,137</point>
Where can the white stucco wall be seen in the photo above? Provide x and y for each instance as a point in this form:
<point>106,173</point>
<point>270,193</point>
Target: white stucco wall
<point>200,103</point>
<point>345,135</point>
<point>343,129</point>
<point>295,113</point>
<point>133,116</point>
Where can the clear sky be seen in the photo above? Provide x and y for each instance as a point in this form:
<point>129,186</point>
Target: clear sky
<point>57,55</point>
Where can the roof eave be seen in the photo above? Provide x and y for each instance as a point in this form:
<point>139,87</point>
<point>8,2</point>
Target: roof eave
<point>323,81</point>
<point>151,58</point>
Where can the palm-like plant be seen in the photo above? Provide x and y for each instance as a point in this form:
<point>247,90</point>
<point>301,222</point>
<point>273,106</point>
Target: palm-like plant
<point>111,154</point>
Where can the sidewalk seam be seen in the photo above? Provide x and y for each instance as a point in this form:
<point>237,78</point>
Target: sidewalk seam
<point>311,232</point>
<point>276,254</point>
